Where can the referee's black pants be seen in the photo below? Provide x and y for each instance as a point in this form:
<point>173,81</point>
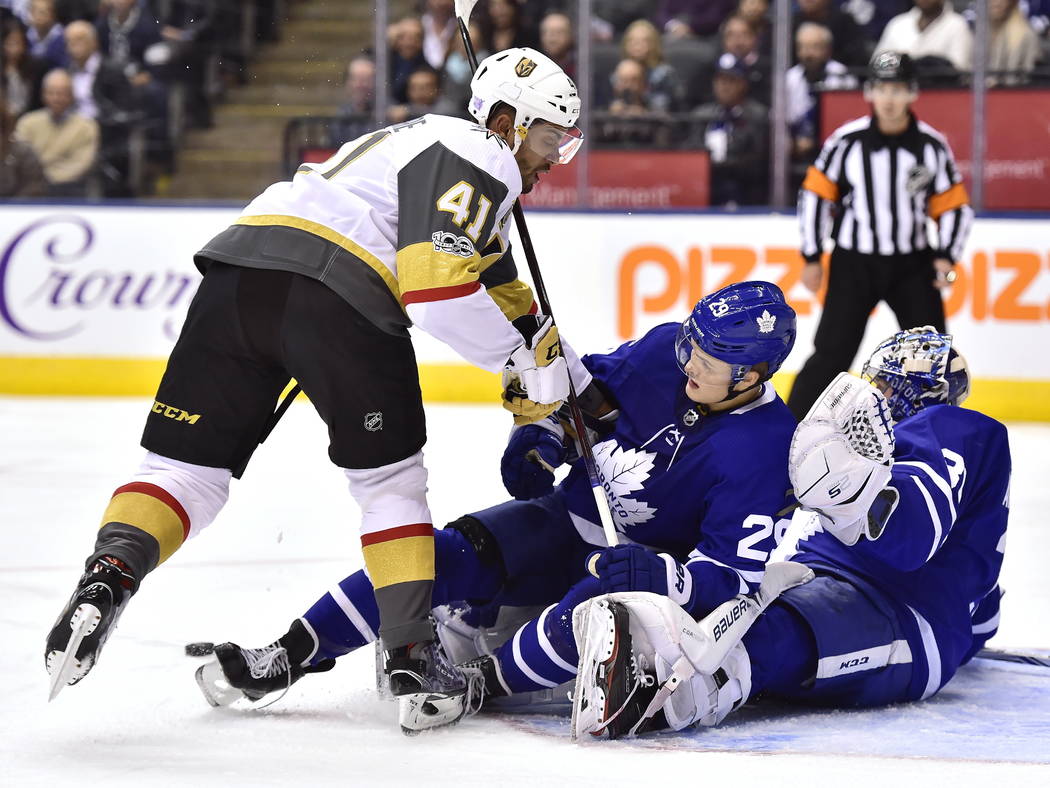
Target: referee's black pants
<point>856,284</point>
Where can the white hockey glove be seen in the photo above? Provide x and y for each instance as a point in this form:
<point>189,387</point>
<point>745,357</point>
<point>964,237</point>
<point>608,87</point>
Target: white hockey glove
<point>841,459</point>
<point>536,377</point>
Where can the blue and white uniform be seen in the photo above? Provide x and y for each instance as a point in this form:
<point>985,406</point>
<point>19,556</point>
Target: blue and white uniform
<point>705,489</point>
<point>894,618</point>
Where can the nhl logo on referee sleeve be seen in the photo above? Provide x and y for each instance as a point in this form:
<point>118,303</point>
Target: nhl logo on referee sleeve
<point>374,421</point>
<point>918,179</point>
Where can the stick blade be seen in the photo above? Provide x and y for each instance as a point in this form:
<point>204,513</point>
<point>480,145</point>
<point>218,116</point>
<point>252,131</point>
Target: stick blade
<point>463,9</point>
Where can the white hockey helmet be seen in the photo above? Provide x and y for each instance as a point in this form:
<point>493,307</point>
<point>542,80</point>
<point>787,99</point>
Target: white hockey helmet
<point>537,88</point>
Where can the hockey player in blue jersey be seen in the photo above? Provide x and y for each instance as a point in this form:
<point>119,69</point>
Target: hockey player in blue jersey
<point>692,450</point>
<point>907,501</point>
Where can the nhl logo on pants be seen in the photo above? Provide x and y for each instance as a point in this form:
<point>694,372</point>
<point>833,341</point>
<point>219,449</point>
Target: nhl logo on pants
<point>374,421</point>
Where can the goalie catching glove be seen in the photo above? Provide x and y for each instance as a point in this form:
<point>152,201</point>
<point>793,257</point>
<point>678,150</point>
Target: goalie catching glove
<point>841,459</point>
<point>536,377</point>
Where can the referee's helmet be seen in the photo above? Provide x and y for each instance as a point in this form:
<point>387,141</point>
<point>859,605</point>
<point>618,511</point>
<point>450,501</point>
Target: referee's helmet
<point>893,67</point>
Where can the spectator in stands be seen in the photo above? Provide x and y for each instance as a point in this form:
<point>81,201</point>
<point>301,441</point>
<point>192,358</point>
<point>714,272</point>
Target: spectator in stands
<point>189,30</point>
<point>130,36</point>
<point>1013,46</point>
<point>851,46</point>
<point>360,87</point>
<point>872,16</point>
<point>100,88</point>
<point>740,40</point>
<point>688,18</point>
<point>457,73</point>
<point>20,172</point>
<point>439,30</point>
<point>66,142</point>
<point>357,112</point>
<point>424,96</point>
<point>103,92</point>
<point>506,28</point>
<point>406,43</point>
<point>45,34</point>
<point>558,41</point>
<point>814,72</point>
<point>931,29</point>
<point>23,72</point>
<point>735,131</point>
<point>756,13</point>
<point>611,17</point>
<point>641,42</point>
<point>632,118</point>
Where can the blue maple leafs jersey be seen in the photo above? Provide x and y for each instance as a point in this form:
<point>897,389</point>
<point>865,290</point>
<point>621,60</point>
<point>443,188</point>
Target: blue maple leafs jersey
<point>938,558</point>
<point>706,489</point>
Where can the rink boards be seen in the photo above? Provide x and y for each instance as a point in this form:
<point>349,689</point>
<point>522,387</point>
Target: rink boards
<point>92,297</point>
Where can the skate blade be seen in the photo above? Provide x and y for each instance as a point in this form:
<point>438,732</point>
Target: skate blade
<point>71,670</point>
<point>588,699</point>
<point>423,711</point>
<point>213,685</point>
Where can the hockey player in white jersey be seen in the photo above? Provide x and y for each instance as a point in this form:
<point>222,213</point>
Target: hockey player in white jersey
<point>905,503</point>
<point>319,280</point>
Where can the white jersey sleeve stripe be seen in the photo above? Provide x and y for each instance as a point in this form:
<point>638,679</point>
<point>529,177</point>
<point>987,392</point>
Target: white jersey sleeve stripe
<point>935,519</point>
<point>940,481</point>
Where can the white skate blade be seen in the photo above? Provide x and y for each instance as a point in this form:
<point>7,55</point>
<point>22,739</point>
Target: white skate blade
<point>213,685</point>
<point>424,711</point>
<point>588,699</point>
<point>70,669</point>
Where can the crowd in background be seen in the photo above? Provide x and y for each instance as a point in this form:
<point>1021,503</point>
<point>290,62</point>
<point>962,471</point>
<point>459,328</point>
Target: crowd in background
<point>97,92</point>
<point>680,73</point>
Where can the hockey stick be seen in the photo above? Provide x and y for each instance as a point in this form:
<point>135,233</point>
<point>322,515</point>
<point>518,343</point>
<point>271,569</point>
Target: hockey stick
<point>463,9</point>
<point>1020,657</point>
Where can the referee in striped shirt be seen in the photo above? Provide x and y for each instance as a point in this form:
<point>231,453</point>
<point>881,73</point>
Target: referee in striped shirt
<point>876,182</point>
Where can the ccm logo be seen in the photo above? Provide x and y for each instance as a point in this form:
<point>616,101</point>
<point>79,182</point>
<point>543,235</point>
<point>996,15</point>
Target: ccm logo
<point>852,663</point>
<point>730,618</point>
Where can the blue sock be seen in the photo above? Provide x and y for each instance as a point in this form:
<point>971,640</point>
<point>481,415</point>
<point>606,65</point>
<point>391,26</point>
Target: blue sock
<point>543,652</point>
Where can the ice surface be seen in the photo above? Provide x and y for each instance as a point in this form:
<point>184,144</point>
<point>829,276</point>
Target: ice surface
<point>289,531</point>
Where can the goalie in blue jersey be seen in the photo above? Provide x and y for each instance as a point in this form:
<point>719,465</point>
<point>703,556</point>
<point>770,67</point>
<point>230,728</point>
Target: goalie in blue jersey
<point>692,447</point>
<point>903,526</point>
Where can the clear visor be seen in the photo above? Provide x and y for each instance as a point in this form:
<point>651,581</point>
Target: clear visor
<point>554,143</point>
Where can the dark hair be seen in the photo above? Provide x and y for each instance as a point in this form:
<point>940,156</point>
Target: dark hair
<point>14,25</point>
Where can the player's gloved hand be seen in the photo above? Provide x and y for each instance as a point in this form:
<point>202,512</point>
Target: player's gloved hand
<point>532,454</point>
<point>536,372</point>
<point>631,567</point>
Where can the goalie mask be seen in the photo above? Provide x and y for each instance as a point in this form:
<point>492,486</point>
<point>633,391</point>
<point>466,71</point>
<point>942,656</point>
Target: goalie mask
<point>743,324</point>
<point>537,88</point>
<point>917,368</point>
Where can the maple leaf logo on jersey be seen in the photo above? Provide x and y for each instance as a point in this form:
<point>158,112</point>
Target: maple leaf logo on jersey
<point>766,322</point>
<point>622,472</point>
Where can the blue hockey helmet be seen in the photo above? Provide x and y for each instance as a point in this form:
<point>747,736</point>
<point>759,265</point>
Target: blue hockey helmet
<point>917,368</point>
<point>743,324</point>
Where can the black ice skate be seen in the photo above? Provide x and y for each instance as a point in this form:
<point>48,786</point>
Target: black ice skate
<point>251,673</point>
<point>430,690</point>
<point>613,689</point>
<point>86,622</point>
